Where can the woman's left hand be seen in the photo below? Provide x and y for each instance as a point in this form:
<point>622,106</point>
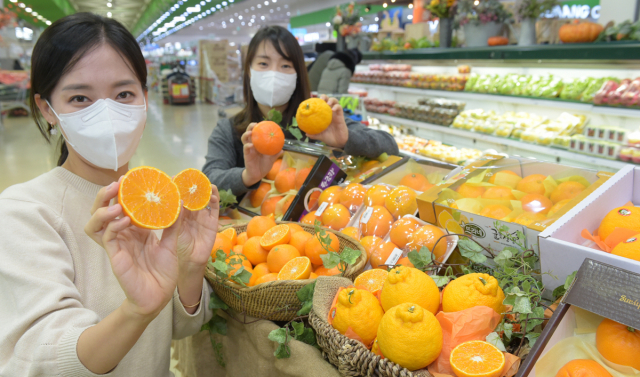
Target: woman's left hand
<point>337,134</point>
<point>198,233</point>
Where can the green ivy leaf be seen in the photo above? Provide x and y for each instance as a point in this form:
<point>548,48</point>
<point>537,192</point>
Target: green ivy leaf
<point>509,300</point>
<point>473,254</point>
<point>503,257</point>
<point>532,337</point>
<point>220,255</point>
<point>227,199</point>
<point>274,116</point>
<point>421,259</point>
<point>278,335</point>
<point>220,266</point>
<point>216,302</point>
<point>522,305</point>
<point>296,133</point>
<point>469,244</point>
<point>282,352</point>
<point>349,255</point>
<point>218,324</point>
<point>308,336</point>
<point>569,280</point>
<point>298,328</point>
<point>306,308</point>
<point>559,292</point>
<point>507,328</point>
<point>526,286</point>
<point>330,260</point>
<point>242,276</point>
<point>537,312</point>
<point>306,293</point>
<point>494,339</point>
<point>441,281</point>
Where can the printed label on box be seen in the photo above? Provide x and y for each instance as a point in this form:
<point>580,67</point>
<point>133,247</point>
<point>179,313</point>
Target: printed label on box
<point>394,257</point>
<point>366,215</point>
<point>321,209</point>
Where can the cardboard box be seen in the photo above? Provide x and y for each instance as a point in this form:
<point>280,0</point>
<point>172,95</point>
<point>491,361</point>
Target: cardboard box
<point>598,290</point>
<point>434,206</point>
<point>562,248</point>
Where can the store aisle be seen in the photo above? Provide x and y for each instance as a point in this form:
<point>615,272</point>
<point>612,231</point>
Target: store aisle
<point>175,139</point>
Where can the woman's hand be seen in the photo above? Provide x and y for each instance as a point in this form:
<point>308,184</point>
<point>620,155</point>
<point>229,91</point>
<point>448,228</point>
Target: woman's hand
<point>198,233</point>
<point>257,165</point>
<point>146,268</point>
<point>337,134</point>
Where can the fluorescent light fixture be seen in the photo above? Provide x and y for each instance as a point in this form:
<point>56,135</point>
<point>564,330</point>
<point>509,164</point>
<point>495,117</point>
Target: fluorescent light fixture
<point>109,5</point>
<point>232,44</point>
<point>239,17</point>
<point>35,14</point>
<point>266,2</point>
<point>47,22</point>
<point>259,6</point>
<point>384,5</point>
<point>328,24</point>
<point>410,17</point>
<point>218,6</point>
<point>224,3</point>
<point>14,1</point>
<point>109,14</point>
<point>28,9</point>
<point>262,18</point>
<point>410,6</point>
<point>179,18</point>
<point>21,5</point>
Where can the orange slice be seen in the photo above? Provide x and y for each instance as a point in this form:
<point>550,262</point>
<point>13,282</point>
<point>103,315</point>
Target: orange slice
<point>371,280</point>
<point>232,235</point>
<point>476,359</point>
<point>194,187</point>
<point>149,197</point>
<point>278,235</point>
<point>296,269</point>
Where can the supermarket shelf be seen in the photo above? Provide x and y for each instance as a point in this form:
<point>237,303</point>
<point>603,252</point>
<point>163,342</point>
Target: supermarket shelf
<point>578,51</point>
<point>557,103</point>
<point>540,149</point>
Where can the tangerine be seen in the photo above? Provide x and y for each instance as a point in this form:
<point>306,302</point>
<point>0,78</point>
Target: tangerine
<point>370,243</point>
<point>557,207</point>
<point>314,248</point>
<point>427,236</point>
<point>269,206</point>
<point>532,184</point>
<point>258,271</point>
<point>469,191</point>
<point>376,195</point>
<point>536,203</point>
<point>238,249</point>
<point>416,181</point>
<point>237,261</point>
<point>299,239</point>
<point>378,223</point>
<point>627,217</point>
<point>254,251</point>
<point>279,256</point>
<point>311,218</point>
<point>295,228</point>
<point>258,225</point>
<point>492,179</point>
<point>352,196</point>
<point>223,243</point>
<point>352,232</point>
<point>278,235</point>
<point>371,280</point>
<point>495,211</point>
<point>231,234</point>
<point>314,115</point>
<point>618,343</point>
<point>405,262</point>
<point>242,238</point>
<point>401,231</point>
<point>583,368</point>
<point>381,255</point>
<point>287,204</point>
<point>285,180</point>
<point>498,193</point>
<point>275,168</point>
<point>336,216</point>
<point>267,137</point>
<point>330,195</point>
<point>266,278</point>
<point>401,201</point>
<point>528,218</point>
<point>323,271</point>
<point>566,190</point>
<point>301,177</point>
<point>257,196</point>
<point>194,188</point>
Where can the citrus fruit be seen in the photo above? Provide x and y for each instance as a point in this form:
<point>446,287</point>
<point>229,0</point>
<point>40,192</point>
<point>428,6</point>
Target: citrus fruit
<point>583,368</point>
<point>473,290</point>
<point>627,217</point>
<point>258,225</point>
<point>258,271</point>
<point>476,358</point>
<point>352,196</point>
<point>301,177</point>
<point>401,201</point>
<point>238,249</point>
<point>378,223</point>
<point>629,248</point>
<point>299,239</point>
<point>279,256</point>
<point>194,188</point>
<point>532,184</point>
<point>313,199</point>
<point>469,191</point>
<point>285,180</point>
<point>257,196</point>
<point>492,179</point>
<point>313,275</point>
<point>416,181</point>
<point>266,278</point>
<point>336,216</point>
<point>528,218</point>
<point>376,195</point>
<point>269,206</point>
<point>405,262</point>
<point>495,211</point>
<point>557,207</point>
<point>278,235</point>
<point>314,115</point>
<point>371,280</point>
<point>406,284</point>
<point>311,218</point>
<point>410,336</point>
<point>275,168</point>
<point>149,197</point>
<point>237,261</point>
<point>254,252</point>
<point>295,228</point>
<point>323,271</point>
<point>330,195</point>
<point>296,269</point>
<point>223,243</point>
<point>287,204</point>
<point>380,254</point>
<point>498,193</point>
<point>536,203</point>
<point>618,343</point>
<point>369,243</point>
<point>314,248</point>
<point>352,232</point>
<point>375,348</point>
<point>401,231</point>
<point>267,138</point>
<point>427,235</point>
<point>231,235</point>
<point>242,238</point>
<point>359,310</point>
<point>566,190</point>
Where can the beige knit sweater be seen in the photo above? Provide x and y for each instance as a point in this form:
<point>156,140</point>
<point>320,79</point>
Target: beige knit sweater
<point>55,282</point>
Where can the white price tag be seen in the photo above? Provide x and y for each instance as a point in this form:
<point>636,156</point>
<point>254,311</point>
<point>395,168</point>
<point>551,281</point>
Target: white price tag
<point>366,215</point>
<point>394,257</point>
<point>321,209</point>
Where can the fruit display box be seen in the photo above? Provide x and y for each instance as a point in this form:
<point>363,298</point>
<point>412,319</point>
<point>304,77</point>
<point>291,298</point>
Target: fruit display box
<point>599,291</point>
<point>442,205</point>
<point>370,169</point>
<point>562,248</point>
<point>434,171</point>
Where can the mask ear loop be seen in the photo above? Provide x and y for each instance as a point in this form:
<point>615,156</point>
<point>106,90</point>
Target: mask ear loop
<point>54,130</point>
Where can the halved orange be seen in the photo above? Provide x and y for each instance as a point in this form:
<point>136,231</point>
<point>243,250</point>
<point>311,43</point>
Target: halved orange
<point>477,358</point>
<point>371,280</point>
<point>232,235</point>
<point>194,187</point>
<point>150,198</point>
<point>278,235</point>
<point>296,269</point>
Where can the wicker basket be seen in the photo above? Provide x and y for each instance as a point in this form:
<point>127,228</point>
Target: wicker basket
<point>351,357</point>
<point>277,300</point>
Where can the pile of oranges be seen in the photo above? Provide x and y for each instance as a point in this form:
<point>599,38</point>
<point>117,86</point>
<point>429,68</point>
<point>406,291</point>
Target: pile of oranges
<point>285,181</point>
<point>622,225</point>
<point>275,252</point>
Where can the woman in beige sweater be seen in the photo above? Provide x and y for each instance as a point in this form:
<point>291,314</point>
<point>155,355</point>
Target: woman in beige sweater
<point>83,292</point>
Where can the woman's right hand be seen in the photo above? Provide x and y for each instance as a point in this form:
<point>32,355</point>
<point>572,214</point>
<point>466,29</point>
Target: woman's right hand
<point>257,165</point>
<point>146,268</point>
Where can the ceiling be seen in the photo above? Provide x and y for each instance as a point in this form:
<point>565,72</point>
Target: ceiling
<point>126,12</point>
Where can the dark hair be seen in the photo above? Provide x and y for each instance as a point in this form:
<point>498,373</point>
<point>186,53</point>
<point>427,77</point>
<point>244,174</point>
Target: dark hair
<point>279,38</point>
<point>63,44</point>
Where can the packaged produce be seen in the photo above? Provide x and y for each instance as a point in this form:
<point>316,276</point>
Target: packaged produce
<point>602,96</point>
<point>631,97</point>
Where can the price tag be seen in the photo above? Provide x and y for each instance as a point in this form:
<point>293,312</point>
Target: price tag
<point>366,215</point>
<point>394,257</point>
<point>321,209</point>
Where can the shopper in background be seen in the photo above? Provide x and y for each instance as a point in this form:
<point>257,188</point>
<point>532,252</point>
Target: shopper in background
<point>275,77</point>
<point>316,68</point>
<point>84,292</point>
<point>337,75</point>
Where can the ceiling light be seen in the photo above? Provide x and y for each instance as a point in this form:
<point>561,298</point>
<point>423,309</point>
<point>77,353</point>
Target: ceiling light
<point>286,6</point>
<point>259,6</point>
<point>48,22</point>
<point>231,20</point>
<point>384,5</point>
<point>21,5</point>
<point>28,9</point>
<point>208,1</point>
<point>218,6</point>
<point>361,19</point>
<point>262,18</point>
<point>393,1</point>
<point>288,13</point>
<point>410,17</point>
<point>109,14</point>
<point>208,11</point>
<point>109,5</point>
<point>278,8</point>
<point>224,3</point>
<point>253,16</point>
<point>246,10</point>
<point>242,23</point>
<point>410,6</point>
<point>377,19</point>
<point>239,17</point>
<point>40,17</point>
<point>35,14</point>
<point>201,27</point>
<point>253,8</point>
<point>266,2</point>
<point>14,1</point>
<point>202,3</point>
<point>328,24</point>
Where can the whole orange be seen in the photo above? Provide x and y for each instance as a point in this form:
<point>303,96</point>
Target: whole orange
<point>238,261</point>
<point>254,252</point>
<point>495,211</point>
<point>498,193</point>
<point>469,191</point>
<point>257,196</point>
<point>299,239</point>
<point>352,196</point>
<point>536,203</point>
<point>532,184</point>
<point>266,278</point>
<point>583,368</point>
<point>352,232</point>
<point>286,180</point>
<point>380,254</point>
<point>314,115</point>
<point>301,176</point>
<point>294,227</point>
<point>287,204</point>
<point>223,243</point>
<point>557,207</point>
<point>267,137</point>
<point>416,181</point>
<point>238,249</point>
<point>618,343</point>
<point>336,216</point>
<point>275,168</point>
<point>242,238</point>
<point>313,199</point>
<point>405,262</point>
<point>258,225</point>
<point>376,195</point>
<point>378,224</point>
<point>473,290</point>
<point>311,218</point>
<point>406,284</point>
<point>358,310</point>
<point>314,248</point>
<point>323,271</point>
<point>330,195</point>
<point>528,218</point>
<point>401,201</point>
<point>268,207</point>
<point>401,231</point>
<point>279,256</point>
<point>369,243</point>
<point>427,235</point>
<point>629,248</point>
<point>492,179</point>
<point>566,190</point>
<point>627,217</point>
<point>258,271</point>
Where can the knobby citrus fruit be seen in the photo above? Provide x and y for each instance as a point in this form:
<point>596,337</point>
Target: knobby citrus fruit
<point>629,248</point>
<point>473,290</point>
<point>406,284</point>
<point>195,189</point>
<point>375,348</point>
<point>296,269</point>
<point>476,358</point>
<point>359,310</point>
<point>314,115</point>
<point>267,137</point>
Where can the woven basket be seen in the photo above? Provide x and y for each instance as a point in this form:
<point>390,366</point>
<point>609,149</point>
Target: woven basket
<point>351,357</point>
<point>277,300</point>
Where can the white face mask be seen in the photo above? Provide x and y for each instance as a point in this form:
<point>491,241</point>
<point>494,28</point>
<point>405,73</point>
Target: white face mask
<point>272,88</point>
<point>106,133</point>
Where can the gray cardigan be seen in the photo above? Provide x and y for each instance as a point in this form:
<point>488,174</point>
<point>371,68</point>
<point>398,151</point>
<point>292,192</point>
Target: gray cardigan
<point>225,159</point>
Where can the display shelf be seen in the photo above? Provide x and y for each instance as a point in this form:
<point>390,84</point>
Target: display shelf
<point>466,96</point>
<point>510,146</point>
<point>577,51</point>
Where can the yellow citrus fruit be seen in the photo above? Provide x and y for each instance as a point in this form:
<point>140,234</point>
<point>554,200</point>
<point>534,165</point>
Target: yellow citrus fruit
<point>406,284</point>
<point>492,179</point>
<point>557,207</point>
<point>627,217</point>
<point>499,193</point>
<point>469,191</point>
<point>629,248</point>
<point>314,116</point>
<point>410,336</point>
<point>566,190</point>
<point>375,348</point>
<point>359,310</point>
<point>476,358</point>
<point>401,201</point>
<point>473,290</point>
<point>532,184</point>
